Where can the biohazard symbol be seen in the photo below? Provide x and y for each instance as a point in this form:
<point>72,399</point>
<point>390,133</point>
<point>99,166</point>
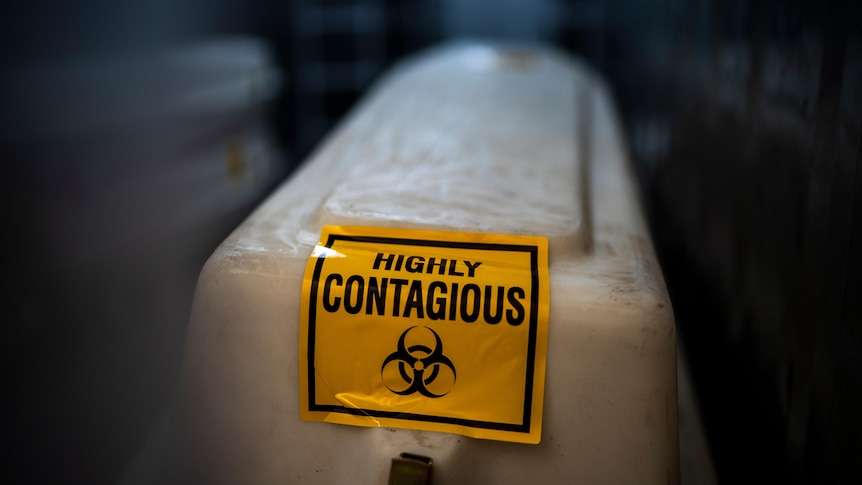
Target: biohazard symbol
<point>418,366</point>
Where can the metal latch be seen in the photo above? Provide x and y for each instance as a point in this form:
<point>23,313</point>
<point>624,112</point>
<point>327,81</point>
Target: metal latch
<point>410,469</point>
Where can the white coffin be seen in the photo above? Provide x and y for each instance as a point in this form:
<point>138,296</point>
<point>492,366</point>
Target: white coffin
<point>465,138</point>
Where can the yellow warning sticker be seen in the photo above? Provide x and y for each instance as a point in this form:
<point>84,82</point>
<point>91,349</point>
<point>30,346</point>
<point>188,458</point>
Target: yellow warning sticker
<point>427,330</point>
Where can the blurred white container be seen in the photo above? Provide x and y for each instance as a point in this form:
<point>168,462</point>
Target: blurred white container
<point>145,150</point>
<point>121,175</point>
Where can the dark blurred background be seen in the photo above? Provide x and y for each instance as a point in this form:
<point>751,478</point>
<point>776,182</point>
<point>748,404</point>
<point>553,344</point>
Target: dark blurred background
<point>136,135</point>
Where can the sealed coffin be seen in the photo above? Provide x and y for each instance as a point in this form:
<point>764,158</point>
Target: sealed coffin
<point>461,274</point>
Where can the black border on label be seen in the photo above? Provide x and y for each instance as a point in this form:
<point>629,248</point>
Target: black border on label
<point>524,426</point>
